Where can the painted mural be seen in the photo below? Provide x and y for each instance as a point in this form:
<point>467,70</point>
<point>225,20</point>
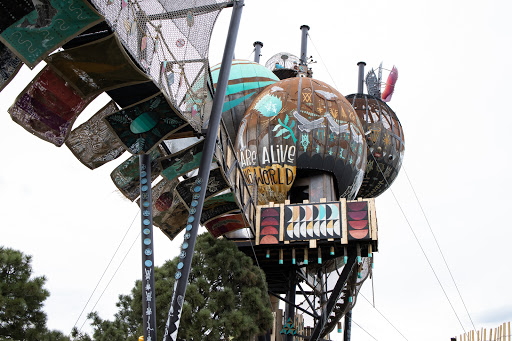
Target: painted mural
<point>313,221</point>
<point>300,123</point>
<point>269,225</point>
<point>358,221</point>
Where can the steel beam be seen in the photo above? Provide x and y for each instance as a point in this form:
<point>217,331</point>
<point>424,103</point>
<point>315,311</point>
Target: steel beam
<point>335,295</point>
<point>187,248</point>
<point>311,305</point>
<point>147,242</point>
<point>288,302</point>
<point>347,333</point>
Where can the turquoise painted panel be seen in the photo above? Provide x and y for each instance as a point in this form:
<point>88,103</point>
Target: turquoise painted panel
<point>234,103</point>
<point>239,87</point>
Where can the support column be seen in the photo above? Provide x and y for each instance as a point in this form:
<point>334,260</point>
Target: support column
<point>257,50</point>
<point>196,206</point>
<point>348,326</point>
<point>290,305</point>
<point>148,269</point>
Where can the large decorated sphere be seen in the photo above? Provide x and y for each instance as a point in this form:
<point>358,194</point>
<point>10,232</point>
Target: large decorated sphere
<point>246,80</point>
<point>300,123</point>
<point>385,139</point>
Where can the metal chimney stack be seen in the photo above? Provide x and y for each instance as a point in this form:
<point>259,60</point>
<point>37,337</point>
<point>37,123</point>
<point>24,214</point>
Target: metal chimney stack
<point>360,81</point>
<point>257,50</point>
<point>304,45</point>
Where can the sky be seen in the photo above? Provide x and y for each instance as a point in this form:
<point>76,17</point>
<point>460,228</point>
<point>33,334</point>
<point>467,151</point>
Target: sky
<point>452,58</point>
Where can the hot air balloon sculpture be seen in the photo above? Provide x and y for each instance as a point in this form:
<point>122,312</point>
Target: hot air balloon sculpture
<point>246,80</point>
<point>300,123</point>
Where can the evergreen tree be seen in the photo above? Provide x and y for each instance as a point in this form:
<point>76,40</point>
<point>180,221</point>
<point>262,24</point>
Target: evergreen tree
<point>21,300</point>
<point>226,298</point>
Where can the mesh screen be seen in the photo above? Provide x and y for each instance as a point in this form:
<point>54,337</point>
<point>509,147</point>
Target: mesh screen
<point>170,40</point>
<point>282,60</point>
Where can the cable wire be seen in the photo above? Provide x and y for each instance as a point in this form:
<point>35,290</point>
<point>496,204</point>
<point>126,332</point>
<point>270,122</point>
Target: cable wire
<point>364,330</point>
<point>108,265</point>
<point>438,246</point>
<point>322,60</point>
<point>418,241</point>
<point>383,316</point>
<point>122,261</point>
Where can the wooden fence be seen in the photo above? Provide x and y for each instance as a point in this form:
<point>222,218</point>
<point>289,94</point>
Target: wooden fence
<point>501,333</point>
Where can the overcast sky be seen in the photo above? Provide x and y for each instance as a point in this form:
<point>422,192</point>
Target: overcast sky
<point>451,97</point>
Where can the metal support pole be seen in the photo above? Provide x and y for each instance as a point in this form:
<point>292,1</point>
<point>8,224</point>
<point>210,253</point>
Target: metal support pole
<point>360,81</point>
<point>348,326</point>
<point>148,270</point>
<point>290,305</point>
<point>257,50</point>
<point>187,248</point>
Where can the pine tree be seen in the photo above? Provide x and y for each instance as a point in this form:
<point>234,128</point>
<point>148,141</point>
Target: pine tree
<point>226,298</point>
<point>21,298</point>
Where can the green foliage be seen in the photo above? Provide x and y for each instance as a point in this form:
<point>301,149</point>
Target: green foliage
<point>21,300</point>
<point>227,297</point>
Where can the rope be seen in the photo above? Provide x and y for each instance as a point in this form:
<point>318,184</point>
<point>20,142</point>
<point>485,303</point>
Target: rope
<point>364,330</point>
<point>122,261</point>
<point>418,241</point>
<point>438,246</point>
<point>322,60</point>
<point>108,265</point>
<point>383,316</point>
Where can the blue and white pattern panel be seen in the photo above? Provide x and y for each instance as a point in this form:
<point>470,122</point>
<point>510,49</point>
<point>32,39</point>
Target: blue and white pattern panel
<point>313,221</point>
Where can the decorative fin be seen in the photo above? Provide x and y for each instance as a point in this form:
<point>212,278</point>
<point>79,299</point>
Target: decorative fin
<point>390,85</point>
<point>372,84</point>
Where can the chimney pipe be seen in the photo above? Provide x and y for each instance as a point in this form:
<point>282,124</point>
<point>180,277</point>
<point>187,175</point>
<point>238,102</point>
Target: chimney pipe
<point>360,82</point>
<point>257,52</point>
<point>304,45</point>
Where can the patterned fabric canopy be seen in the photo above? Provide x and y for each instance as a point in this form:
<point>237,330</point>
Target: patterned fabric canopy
<point>9,66</point>
<point>126,175</point>
<point>33,32</point>
<point>93,143</point>
<point>96,67</point>
<point>182,162</point>
<point>48,107</point>
<point>142,126</point>
<point>216,184</point>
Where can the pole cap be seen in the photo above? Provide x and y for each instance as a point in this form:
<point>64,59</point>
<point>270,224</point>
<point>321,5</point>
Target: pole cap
<point>364,64</point>
<point>304,26</point>
<point>257,43</point>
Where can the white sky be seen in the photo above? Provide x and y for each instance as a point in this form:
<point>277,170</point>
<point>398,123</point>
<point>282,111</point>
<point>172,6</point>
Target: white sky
<point>451,98</point>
